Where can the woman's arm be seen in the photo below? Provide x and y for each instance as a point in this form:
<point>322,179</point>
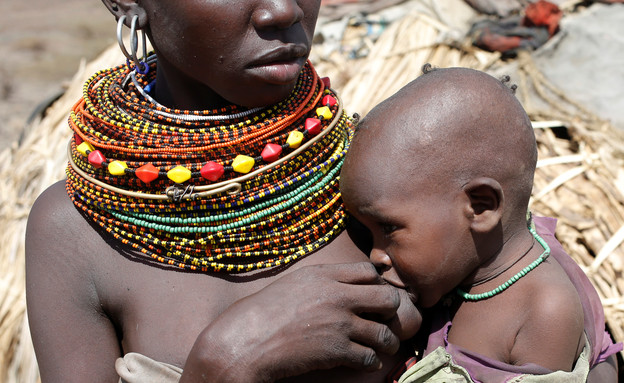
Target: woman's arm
<point>74,339</point>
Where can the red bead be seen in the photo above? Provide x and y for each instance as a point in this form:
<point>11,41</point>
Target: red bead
<point>212,171</point>
<point>327,82</point>
<point>77,139</point>
<point>96,158</point>
<point>271,152</point>
<point>329,101</point>
<point>313,126</point>
<point>147,173</point>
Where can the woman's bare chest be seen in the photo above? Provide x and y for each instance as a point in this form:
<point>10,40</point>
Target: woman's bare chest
<point>160,312</point>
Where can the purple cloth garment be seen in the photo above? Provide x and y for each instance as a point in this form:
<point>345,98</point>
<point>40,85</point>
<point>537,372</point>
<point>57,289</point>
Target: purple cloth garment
<point>600,340</point>
<point>482,368</point>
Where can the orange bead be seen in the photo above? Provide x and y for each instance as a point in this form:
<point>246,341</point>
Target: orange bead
<point>147,173</point>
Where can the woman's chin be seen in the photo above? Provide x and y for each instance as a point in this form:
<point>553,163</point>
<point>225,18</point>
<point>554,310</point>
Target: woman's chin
<point>275,94</point>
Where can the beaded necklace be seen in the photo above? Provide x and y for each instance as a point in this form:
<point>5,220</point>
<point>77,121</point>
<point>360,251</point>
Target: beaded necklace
<point>488,294</point>
<point>226,190</point>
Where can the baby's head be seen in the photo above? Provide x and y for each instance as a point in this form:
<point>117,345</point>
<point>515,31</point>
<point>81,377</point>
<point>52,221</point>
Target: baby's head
<point>441,174</point>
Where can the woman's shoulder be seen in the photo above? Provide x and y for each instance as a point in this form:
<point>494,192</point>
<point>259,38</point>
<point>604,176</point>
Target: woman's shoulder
<point>52,211</point>
<point>55,227</point>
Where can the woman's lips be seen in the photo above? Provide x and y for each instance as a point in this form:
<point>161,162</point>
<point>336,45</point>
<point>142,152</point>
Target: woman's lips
<point>280,65</point>
<point>281,72</point>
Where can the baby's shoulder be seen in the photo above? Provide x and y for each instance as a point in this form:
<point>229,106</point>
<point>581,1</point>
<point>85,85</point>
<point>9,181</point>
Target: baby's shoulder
<point>552,296</point>
<point>552,320</point>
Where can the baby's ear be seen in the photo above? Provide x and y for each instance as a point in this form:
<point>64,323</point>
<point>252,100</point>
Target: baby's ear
<point>485,207</point>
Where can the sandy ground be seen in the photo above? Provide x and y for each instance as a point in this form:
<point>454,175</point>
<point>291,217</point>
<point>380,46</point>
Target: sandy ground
<point>41,45</point>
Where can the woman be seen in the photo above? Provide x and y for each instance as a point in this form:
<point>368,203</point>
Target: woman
<point>171,235</point>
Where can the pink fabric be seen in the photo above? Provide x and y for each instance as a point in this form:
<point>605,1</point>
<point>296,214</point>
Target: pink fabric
<point>482,368</point>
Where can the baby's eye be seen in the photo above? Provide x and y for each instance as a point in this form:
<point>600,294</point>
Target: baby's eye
<point>388,228</point>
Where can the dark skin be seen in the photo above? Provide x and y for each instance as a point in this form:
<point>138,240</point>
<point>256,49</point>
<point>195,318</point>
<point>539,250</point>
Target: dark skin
<point>457,216</point>
<point>90,302</point>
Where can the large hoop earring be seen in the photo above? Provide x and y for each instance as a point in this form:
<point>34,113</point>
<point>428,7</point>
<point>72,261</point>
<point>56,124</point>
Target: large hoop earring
<point>131,57</point>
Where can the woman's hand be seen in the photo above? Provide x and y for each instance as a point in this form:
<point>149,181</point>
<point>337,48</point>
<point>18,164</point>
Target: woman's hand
<point>317,317</point>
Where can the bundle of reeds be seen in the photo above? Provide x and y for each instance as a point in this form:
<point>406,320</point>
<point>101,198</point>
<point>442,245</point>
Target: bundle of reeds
<point>26,170</point>
<point>580,181</point>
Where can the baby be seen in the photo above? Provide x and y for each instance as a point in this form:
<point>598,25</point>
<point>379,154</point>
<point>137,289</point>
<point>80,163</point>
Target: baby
<point>441,174</point>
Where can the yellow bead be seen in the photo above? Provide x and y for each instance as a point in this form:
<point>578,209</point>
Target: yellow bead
<point>294,139</point>
<point>324,113</point>
<point>243,164</point>
<point>117,168</point>
<point>179,174</point>
<point>84,148</point>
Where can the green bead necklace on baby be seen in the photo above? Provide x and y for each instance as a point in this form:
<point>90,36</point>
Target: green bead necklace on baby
<point>488,294</point>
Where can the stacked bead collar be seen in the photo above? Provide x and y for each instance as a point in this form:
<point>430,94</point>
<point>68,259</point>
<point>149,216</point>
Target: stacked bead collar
<point>229,190</point>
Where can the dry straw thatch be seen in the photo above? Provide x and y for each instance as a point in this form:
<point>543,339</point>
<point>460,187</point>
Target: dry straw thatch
<point>26,170</point>
<point>580,178</point>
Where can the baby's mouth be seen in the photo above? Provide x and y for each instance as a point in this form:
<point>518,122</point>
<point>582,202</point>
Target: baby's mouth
<point>413,296</point>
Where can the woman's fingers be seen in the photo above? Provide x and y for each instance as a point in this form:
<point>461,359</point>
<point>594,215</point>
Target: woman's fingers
<point>374,335</point>
<point>351,273</point>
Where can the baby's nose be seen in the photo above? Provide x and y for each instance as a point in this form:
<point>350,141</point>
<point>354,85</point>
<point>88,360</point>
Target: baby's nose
<point>381,260</point>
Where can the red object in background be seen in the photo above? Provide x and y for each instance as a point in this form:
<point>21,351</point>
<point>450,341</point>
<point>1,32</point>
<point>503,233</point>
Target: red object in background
<point>333,2</point>
<point>499,43</point>
<point>542,14</point>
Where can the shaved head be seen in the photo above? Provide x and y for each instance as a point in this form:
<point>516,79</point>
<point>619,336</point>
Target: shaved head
<point>444,129</point>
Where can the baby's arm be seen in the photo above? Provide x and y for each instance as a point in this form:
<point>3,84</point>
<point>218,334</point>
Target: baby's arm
<point>604,372</point>
<point>551,334</point>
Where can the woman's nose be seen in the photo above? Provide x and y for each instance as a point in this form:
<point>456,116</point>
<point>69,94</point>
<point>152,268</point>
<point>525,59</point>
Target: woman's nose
<point>278,14</point>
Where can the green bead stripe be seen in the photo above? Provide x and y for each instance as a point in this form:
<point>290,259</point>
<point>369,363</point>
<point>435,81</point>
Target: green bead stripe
<point>488,294</point>
<point>266,207</point>
<point>294,196</point>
